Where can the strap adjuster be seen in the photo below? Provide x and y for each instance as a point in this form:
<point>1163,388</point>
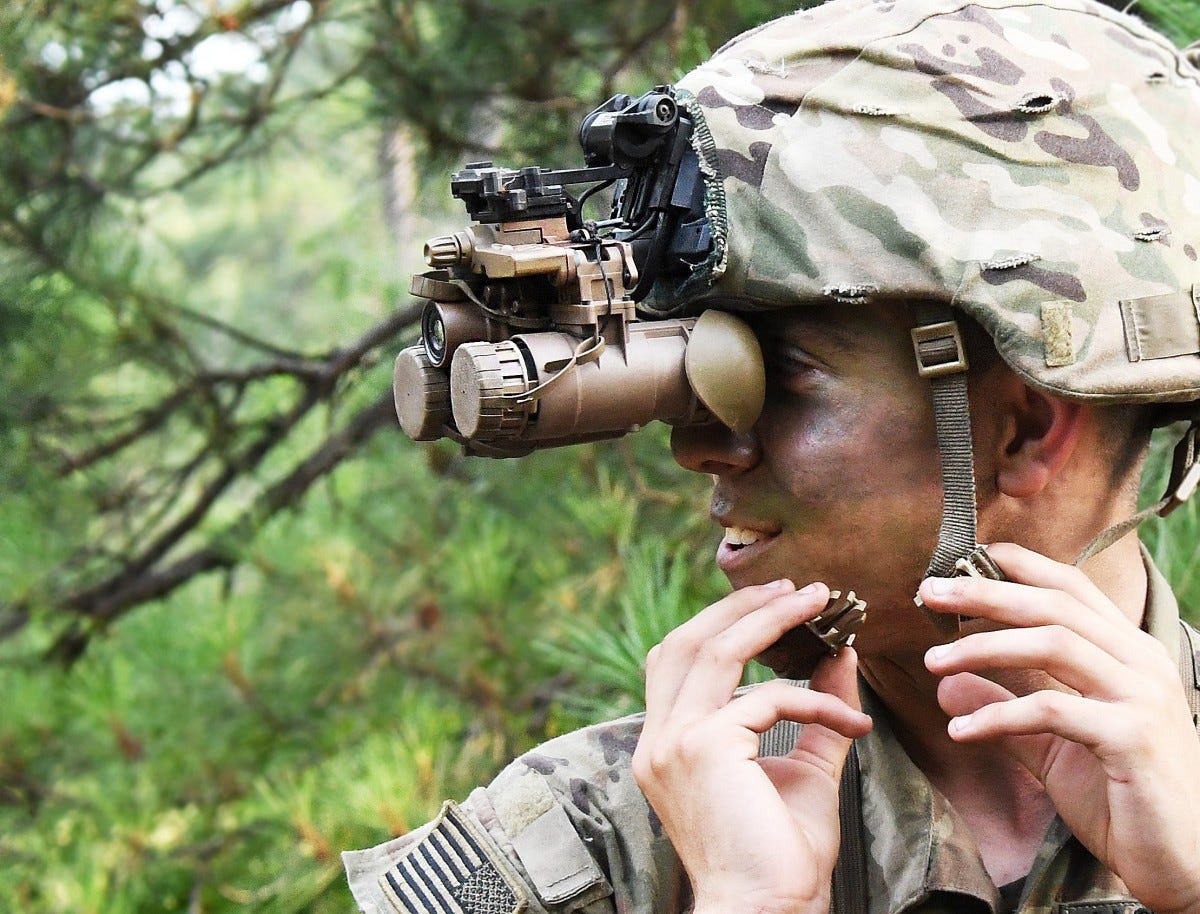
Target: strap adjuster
<point>978,564</point>
<point>939,349</point>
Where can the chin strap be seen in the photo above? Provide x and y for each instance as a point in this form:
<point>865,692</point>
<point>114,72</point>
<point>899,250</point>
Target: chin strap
<point>941,359</point>
<point>1181,485</point>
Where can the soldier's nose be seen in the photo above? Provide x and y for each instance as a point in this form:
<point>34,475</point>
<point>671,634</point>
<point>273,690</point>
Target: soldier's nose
<point>714,449</point>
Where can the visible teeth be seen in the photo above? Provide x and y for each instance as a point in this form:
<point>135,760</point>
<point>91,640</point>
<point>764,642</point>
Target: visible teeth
<point>740,536</point>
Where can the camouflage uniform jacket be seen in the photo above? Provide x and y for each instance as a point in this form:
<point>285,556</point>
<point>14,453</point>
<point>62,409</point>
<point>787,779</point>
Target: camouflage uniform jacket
<point>565,828</point>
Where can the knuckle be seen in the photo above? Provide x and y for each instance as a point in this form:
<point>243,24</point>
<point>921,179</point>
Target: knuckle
<point>651,761</point>
<point>779,694</point>
<point>1048,705</point>
<point>718,651</point>
<point>1124,734</point>
<point>691,748</point>
<point>678,643</point>
<point>1059,638</point>
<point>652,656</point>
<point>642,766</point>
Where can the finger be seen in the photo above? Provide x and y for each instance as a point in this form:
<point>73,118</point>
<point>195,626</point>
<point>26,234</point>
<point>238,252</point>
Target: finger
<point>961,694</point>
<point>1027,606</point>
<point>718,616</point>
<point>667,663</point>
<point>764,706</point>
<point>1053,649</point>
<point>717,665</point>
<point>837,676</point>
<point>1093,724</point>
<point>1024,566</point>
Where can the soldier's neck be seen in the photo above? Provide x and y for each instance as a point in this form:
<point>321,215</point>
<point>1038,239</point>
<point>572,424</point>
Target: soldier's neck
<point>1003,805</point>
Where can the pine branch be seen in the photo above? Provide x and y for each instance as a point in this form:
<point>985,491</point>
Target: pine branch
<point>129,588</point>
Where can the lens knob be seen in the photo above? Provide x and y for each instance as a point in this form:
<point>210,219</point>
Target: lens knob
<point>482,375</point>
<point>422,395</point>
<point>449,250</point>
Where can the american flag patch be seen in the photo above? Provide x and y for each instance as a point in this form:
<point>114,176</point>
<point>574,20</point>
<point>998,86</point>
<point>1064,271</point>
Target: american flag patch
<point>455,869</point>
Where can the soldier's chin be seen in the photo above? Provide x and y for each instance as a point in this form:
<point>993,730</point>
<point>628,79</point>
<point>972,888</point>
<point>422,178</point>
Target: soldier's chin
<point>795,655</point>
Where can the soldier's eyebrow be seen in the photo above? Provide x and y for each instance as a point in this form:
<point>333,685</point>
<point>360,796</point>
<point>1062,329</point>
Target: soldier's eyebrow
<point>805,329</point>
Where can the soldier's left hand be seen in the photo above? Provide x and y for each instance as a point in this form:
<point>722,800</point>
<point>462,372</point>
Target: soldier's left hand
<point>1111,737</point>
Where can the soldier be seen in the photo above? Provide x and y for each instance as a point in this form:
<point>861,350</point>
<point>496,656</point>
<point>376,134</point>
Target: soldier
<point>900,190</point>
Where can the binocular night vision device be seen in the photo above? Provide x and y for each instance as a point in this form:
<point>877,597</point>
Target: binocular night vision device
<point>532,334</point>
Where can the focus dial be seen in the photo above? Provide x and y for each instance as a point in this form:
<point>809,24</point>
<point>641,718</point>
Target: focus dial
<point>483,378</point>
<point>422,394</point>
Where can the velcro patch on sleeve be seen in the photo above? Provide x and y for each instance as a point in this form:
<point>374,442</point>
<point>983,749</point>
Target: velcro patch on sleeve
<point>455,869</point>
<point>556,858</point>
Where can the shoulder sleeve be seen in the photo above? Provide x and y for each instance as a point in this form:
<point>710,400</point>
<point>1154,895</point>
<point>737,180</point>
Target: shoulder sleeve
<point>562,829</point>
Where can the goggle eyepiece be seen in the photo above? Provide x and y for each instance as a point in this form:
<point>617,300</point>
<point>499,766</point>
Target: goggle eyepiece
<point>433,335</point>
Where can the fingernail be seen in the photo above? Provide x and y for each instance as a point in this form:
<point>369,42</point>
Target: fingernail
<point>808,588</point>
<point>937,652</point>
<point>940,586</point>
<point>960,724</point>
<point>778,585</point>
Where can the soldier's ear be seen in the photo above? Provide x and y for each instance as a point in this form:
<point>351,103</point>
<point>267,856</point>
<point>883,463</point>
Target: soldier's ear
<point>1038,435</point>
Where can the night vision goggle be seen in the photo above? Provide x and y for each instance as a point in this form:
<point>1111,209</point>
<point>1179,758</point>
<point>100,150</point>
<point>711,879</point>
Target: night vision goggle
<point>531,335</point>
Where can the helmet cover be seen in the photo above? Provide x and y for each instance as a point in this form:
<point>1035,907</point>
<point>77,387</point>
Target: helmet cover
<point>1036,164</point>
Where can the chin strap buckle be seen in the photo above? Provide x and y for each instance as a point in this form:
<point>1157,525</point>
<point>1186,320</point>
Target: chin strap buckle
<point>939,349</point>
<point>975,564</point>
<point>838,623</point>
<point>978,564</point>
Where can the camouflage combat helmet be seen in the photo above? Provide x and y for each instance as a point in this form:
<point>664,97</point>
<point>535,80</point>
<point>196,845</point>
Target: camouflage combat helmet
<point>1034,164</point>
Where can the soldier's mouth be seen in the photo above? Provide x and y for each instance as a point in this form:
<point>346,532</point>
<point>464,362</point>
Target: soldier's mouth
<point>740,546</point>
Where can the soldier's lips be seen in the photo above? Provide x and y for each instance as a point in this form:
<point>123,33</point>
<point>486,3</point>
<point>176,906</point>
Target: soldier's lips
<point>741,546</point>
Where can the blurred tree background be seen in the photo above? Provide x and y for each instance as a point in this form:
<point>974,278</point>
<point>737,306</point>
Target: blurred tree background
<point>244,623</point>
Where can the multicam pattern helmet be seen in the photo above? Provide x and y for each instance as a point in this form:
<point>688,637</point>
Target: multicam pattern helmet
<point>1036,164</point>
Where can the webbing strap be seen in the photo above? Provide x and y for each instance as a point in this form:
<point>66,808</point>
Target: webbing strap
<point>1185,476</point>
<point>1117,531</point>
<point>940,359</point>
<point>956,537</point>
<point>850,871</point>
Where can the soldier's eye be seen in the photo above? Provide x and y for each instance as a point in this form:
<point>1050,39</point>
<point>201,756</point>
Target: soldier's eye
<point>786,362</point>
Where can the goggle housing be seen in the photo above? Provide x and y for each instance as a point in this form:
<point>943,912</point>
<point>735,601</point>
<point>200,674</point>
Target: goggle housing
<point>532,336</point>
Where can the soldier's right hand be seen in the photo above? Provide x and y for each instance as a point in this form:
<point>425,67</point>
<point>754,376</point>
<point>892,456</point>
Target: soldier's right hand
<point>754,834</point>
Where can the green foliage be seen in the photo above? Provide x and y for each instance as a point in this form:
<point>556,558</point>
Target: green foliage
<point>1172,542</point>
<point>1176,19</point>
<point>217,749</point>
<point>534,67</point>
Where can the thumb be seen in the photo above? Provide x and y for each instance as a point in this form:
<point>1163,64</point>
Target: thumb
<point>837,676</point>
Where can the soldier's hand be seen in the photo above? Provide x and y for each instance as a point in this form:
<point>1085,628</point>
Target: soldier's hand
<point>754,834</point>
<point>1111,736</point>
